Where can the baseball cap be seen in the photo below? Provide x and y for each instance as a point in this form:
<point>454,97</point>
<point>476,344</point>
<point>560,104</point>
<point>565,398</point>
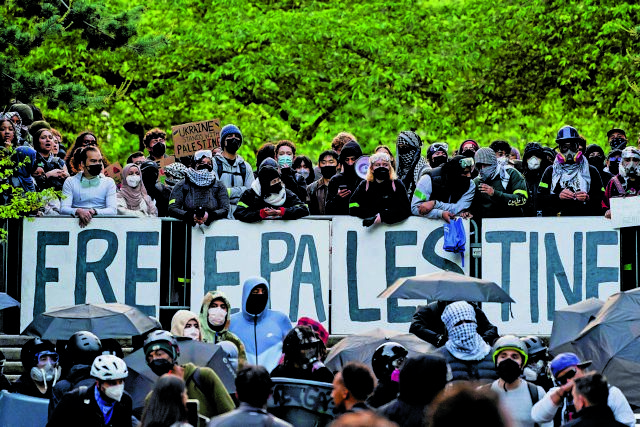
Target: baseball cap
<point>566,360</point>
<point>614,130</point>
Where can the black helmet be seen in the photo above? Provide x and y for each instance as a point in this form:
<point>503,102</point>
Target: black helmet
<point>162,340</point>
<point>567,133</point>
<point>31,348</point>
<point>83,347</point>
<point>386,359</point>
<point>301,338</point>
<point>535,347</point>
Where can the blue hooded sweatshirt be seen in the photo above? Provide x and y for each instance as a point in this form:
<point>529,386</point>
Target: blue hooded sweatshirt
<point>263,333</point>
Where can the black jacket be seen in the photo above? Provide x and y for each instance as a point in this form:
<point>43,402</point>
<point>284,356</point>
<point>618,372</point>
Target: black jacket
<point>483,371</point>
<point>551,205</point>
<point>250,204</point>
<point>25,385</point>
<point>79,408</point>
<point>322,374</point>
<point>372,198</point>
<point>337,205</point>
<point>595,416</point>
<point>427,324</point>
<point>79,375</point>
<point>186,197</point>
<point>295,182</point>
<point>384,393</point>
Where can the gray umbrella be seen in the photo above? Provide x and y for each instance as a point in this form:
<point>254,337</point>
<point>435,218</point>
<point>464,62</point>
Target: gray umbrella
<point>109,320</point>
<point>612,342</point>
<point>446,286</point>
<point>569,321</point>
<point>6,301</point>
<point>360,347</point>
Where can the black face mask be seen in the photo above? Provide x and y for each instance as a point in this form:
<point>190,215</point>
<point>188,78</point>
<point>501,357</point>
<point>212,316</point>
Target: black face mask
<point>508,370</point>
<point>618,143</point>
<point>381,173</point>
<point>275,189</point>
<point>232,146</point>
<point>158,150</point>
<point>204,166</point>
<point>256,303</point>
<point>596,162</point>
<point>349,170</point>
<point>437,161</point>
<point>328,171</point>
<point>94,170</point>
<point>614,168</point>
<point>160,366</point>
<point>405,149</point>
<point>468,153</point>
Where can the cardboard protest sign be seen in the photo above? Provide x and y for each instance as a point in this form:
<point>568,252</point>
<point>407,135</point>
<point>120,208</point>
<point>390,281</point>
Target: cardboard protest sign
<point>625,212</point>
<point>165,161</point>
<point>191,137</point>
<point>114,171</point>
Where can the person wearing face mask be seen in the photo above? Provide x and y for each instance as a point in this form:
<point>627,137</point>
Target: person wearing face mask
<point>156,190</point>
<point>302,357</point>
<point>437,155</point>
<point>89,193</point>
<point>41,369</point>
<point>617,139</point>
<point>534,163</point>
<point>410,161</point>
<point>268,198</point>
<point>85,139</point>
<point>285,156</point>
<point>155,141</point>
<point>517,395</point>
<point>186,324</point>
<point>201,197</point>
<point>161,353</point>
<point>596,158</point>
<point>261,329</point>
<point>536,369</point>
<point>613,162</point>
<point>467,354</point>
<point>174,173</point>
<point>234,172</point>
<point>343,184</point>
<point>215,318</point>
<point>570,187</point>
<point>132,199</point>
<point>386,362</point>
<point>303,167</point>
<point>627,182</point>
<point>381,197</point>
<point>318,190</point>
<point>501,191</point>
<point>105,403</point>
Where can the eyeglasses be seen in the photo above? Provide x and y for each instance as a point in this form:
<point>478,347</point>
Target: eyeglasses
<point>467,162</point>
<point>566,377</point>
<point>202,153</point>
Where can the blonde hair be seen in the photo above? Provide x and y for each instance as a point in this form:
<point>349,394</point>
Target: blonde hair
<point>377,157</point>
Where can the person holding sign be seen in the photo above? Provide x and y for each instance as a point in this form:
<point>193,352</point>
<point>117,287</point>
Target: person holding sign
<point>627,182</point>
<point>88,193</point>
<point>132,198</point>
<point>200,198</point>
<point>230,168</point>
<point>268,198</point>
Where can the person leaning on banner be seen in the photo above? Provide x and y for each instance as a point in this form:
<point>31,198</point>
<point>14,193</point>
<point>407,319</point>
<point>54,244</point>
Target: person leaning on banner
<point>590,394</point>
<point>318,190</point>
<point>132,199</point>
<point>566,368</point>
<point>570,187</point>
<point>200,198</point>
<point>501,191</point>
<point>381,197</point>
<point>450,192</point>
<point>342,185</point>
<point>627,182</point>
<point>427,324</point>
<point>161,352</point>
<point>88,193</point>
<point>268,198</point>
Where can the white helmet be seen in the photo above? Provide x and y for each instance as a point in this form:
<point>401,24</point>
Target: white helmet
<point>109,367</point>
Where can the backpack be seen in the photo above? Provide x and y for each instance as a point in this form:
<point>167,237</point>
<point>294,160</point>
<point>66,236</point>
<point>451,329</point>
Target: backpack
<point>242,173</point>
<point>454,237</point>
<point>533,393</point>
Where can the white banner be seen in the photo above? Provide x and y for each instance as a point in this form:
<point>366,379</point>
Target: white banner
<point>546,264</point>
<point>111,260</point>
<point>292,255</point>
<point>625,212</point>
<point>365,261</point>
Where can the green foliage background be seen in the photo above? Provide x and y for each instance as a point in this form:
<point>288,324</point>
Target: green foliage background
<point>305,70</point>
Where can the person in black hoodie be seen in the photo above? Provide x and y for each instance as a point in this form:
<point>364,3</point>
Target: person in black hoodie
<point>302,357</point>
<point>381,197</point>
<point>41,369</point>
<point>534,163</point>
<point>158,192</point>
<point>83,347</point>
<point>596,158</point>
<point>268,198</point>
<point>342,185</point>
<point>421,379</point>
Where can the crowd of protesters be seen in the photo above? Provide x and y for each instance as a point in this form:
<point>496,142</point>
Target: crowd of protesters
<point>568,178</point>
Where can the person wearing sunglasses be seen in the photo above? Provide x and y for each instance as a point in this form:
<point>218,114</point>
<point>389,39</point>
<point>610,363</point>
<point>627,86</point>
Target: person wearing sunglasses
<point>566,368</point>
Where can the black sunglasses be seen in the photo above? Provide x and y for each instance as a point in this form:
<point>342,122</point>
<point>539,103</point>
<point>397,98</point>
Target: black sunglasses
<point>566,377</point>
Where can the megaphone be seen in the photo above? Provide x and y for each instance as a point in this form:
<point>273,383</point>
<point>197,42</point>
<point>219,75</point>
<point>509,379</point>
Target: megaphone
<point>362,166</point>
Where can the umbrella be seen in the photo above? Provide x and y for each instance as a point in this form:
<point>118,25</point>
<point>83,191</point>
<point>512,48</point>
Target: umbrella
<point>446,286</point>
<point>360,347</point>
<point>109,320</point>
<point>612,342</point>
<point>570,321</point>
<point>141,378</point>
<point>6,301</point>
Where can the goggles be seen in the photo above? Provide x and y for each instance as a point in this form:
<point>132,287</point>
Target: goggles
<point>467,162</point>
<point>44,355</point>
<point>202,153</point>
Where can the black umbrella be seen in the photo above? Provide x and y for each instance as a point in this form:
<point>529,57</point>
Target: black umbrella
<point>612,342</point>
<point>141,378</point>
<point>6,301</point>
<point>360,347</point>
<point>446,286</point>
<point>569,321</point>
<point>109,320</point>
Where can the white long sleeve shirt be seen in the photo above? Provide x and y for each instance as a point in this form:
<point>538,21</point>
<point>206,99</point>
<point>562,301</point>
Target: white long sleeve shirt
<point>101,197</point>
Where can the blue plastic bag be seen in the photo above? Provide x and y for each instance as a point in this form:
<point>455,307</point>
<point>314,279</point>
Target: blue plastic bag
<point>455,238</point>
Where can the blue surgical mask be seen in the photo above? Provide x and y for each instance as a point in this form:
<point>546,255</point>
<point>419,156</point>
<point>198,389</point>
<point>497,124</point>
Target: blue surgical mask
<point>285,161</point>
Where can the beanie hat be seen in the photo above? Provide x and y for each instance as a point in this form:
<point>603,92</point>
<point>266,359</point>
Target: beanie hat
<point>269,161</point>
<point>159,345</point>
<point>593,148</point>
<point>38,126</point>
<point>26,113</point>
<point>228,130</point>
<point>466,141</point>
<point>532,149</point>
<point>351,148</point>
<point>486,156</point>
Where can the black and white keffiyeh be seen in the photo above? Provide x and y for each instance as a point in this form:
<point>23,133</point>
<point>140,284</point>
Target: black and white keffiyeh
<point>464,341</point>
<point>410,163</point>
<point>201,178</point>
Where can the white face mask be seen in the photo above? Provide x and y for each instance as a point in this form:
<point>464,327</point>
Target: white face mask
<point>50,373</point>
<point>115,392</point>
<point>533,163</point>
<point>192,332</point>
<point>133,180</point>
<point>217,316</point>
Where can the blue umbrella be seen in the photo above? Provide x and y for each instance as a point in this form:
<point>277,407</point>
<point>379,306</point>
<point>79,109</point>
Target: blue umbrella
<point>6,301</point>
